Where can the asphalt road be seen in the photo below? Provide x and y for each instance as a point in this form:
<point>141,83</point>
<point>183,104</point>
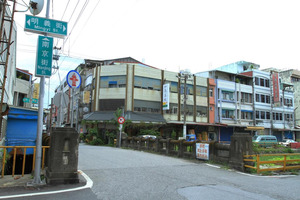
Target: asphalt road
<point>128,174</point>
<point>119,174</point>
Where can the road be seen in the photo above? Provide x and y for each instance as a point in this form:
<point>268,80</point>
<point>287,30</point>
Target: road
<point>128,174</point>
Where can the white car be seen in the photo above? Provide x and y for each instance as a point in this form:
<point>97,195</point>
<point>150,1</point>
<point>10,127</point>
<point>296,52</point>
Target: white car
<point>287,142</point>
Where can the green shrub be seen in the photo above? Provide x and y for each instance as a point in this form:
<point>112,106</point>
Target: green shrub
<point>96,141</point>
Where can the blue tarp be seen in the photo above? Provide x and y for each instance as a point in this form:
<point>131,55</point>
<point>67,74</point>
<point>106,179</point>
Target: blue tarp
<point>21,128</point>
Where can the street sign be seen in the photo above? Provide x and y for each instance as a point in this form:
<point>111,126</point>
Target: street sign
<point>121,120</point>
<point>35,100</point>
<point>73,79</point>
<point>26,100</point>
<point>43,65</point>
<point>41,25</point>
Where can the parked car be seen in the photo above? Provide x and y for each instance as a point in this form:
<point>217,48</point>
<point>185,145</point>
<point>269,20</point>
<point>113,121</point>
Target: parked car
<point>287,142</point>
<point>265,140</point>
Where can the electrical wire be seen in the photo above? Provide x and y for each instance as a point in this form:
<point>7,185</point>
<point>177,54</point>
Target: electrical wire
<point>85,23</point>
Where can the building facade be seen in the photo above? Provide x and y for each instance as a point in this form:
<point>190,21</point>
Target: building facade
<point>249,99</point>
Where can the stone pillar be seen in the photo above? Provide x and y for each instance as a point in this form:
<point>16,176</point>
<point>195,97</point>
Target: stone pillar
<point>241,144</point>
<point>63,156</point>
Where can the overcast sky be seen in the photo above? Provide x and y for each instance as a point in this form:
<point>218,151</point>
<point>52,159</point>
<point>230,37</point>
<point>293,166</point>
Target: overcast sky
<point>170,34</point>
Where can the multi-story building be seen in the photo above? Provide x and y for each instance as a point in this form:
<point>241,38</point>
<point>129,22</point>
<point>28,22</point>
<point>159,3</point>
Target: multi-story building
<point>292,76</point>
<point>249,99</point>
<point>138,89</point>
<point>23,89</point>
<point>8,35</point>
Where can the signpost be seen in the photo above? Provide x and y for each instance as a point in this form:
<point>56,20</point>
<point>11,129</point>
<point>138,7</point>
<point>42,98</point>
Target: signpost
<point>43,25</point>
<point>74,81</point>
<point>43,65</point>
<point>121,121</point>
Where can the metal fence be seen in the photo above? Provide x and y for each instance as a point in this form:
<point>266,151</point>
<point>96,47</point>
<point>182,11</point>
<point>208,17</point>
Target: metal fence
<point>14,150</point>
<point>278,162</point>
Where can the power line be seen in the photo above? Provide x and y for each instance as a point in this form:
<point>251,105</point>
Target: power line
<point>85,23</point>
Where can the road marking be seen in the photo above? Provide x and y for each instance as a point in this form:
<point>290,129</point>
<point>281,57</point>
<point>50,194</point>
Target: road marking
<point>89,184</point>
<point>280,176</point>
<point>213,166</point>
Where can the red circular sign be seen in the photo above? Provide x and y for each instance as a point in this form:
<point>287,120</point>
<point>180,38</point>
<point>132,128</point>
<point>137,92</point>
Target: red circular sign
<point>121,120</point>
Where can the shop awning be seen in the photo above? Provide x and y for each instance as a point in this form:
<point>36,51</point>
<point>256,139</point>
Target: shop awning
<point>254,128</point>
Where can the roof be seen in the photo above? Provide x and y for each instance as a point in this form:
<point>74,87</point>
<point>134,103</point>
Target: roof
<point>116,60</point>
<point>133,116</point>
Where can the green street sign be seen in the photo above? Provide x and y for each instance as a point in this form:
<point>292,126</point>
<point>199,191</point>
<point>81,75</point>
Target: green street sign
<point>41,25</point>
<point>26,100</point>
<point>44,54</point>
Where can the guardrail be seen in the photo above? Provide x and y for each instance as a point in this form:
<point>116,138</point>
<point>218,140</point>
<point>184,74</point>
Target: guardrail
<point>261,165</point>
<point>181,148</point>
<point>15,148</point>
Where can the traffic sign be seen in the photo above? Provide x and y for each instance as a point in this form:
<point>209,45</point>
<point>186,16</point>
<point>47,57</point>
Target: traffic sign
<point>52,27</point>
<point>121,120</point>
<point>26,100</point>
<point>73,79</point>
<point>43,65</point>
<point>35,100</point>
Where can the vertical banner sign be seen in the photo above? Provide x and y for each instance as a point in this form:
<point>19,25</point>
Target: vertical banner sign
<point>202,151</point>
<point>166,96</point>
<point>44,54</point>
<point>275,79</point>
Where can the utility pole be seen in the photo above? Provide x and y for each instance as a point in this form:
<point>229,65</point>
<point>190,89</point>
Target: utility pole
<point>184,75</point>
<point>37,169</point>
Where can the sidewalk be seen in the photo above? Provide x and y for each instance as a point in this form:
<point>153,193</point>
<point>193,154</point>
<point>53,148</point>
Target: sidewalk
<point>18,185</point>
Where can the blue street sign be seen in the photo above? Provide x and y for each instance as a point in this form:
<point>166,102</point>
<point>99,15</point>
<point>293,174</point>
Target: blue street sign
<point>44,54</point>
<point>41,25</point>
<point>34,100</point>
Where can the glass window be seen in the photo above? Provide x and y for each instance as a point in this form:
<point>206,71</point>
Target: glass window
<point>147,83</point>
<point>112,81</point>
<point>227,114</point>
<point>226,95</point>
<point>211,92</point>
<point>201,91</point>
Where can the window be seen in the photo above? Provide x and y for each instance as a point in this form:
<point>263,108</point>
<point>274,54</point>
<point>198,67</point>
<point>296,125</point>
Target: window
<point>227,114</point>
<point>277,116</point>
<point>262,98</point>
<point>246,115</point>
<point>173,109</point>
<point>201,111</point>
<point>227,95</point>
<point>147,106</point>
<point>288,117</point>
<point>246,97</point>
<point>211,92</point>
<point>148,83</point>
<point>201,91</point>
<point>288,102</point>
<point>112,81</point>
<point>260,114</point>
<point>263,82</point>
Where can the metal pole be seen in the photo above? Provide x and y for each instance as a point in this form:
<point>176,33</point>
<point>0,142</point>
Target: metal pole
<point>37,171</point>
<point>120,137</point>
<point>72,106</point>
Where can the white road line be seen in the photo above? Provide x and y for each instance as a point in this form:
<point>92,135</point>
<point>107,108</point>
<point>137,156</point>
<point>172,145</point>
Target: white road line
<point>89,184</point>
<point>213,166</point>
<point>280,176</point>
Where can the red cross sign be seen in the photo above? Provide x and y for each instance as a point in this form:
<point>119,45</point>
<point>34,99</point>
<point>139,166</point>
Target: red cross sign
<point>73,79</point>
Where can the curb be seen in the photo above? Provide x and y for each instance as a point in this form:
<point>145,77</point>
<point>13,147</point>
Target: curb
<point>89,184</point>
